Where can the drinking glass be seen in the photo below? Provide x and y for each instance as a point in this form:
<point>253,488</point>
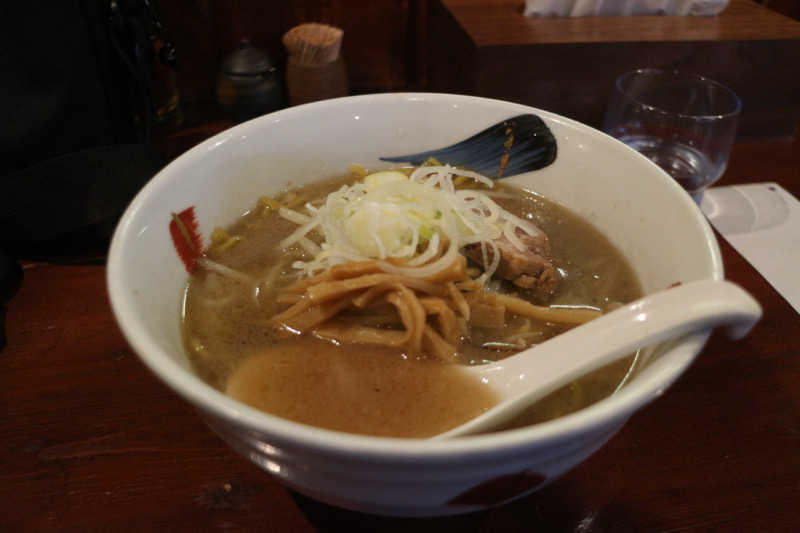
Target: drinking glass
<point>684,123</point>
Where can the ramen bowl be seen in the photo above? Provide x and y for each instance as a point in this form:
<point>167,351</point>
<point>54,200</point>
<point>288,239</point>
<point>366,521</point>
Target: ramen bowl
<point>621,192</point>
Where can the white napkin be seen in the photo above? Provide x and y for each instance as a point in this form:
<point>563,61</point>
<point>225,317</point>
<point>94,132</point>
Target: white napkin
<point>605,8</point>
<point>762,221</point>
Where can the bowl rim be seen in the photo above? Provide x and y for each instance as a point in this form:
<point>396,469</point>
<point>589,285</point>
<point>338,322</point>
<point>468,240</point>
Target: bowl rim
<point>612,409</point>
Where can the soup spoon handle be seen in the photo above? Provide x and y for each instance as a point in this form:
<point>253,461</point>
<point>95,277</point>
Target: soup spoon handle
<point>526,377</point>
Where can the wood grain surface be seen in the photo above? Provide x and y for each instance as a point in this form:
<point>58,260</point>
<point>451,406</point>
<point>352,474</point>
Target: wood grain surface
<point>91,441</point>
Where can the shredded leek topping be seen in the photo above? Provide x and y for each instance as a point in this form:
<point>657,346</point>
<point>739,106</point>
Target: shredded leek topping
<point>419,222</point>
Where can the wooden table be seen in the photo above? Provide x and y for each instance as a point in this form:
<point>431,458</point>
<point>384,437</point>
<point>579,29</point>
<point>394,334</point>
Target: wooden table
<point>91,441</point>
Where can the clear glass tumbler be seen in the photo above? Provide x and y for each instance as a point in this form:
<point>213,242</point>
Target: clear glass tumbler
<point>684,123</point>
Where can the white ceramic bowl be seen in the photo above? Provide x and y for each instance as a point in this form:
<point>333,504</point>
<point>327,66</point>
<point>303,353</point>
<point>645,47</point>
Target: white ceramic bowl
<point>643,211</point>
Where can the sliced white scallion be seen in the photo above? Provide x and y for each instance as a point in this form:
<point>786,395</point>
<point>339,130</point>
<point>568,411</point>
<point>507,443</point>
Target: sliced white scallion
<point>293,216</point>
<point>309,246</point>
<point>223,270</point>
<point>388,215</point>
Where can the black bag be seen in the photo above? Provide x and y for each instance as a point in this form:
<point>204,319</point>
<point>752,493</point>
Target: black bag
<point>75,144</point>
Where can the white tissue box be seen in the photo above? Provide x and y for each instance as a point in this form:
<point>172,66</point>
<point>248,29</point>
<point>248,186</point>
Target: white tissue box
<point>609,8</point>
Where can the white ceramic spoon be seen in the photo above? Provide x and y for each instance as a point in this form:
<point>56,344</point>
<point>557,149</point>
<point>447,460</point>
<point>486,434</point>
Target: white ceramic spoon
<point>526,377</point>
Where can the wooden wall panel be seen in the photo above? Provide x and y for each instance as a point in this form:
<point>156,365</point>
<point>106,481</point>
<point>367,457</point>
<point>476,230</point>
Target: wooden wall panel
<point>568,66</point>
<point>381,45</point>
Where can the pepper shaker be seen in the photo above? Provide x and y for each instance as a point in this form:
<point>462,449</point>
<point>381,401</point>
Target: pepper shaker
<point>249,84</point>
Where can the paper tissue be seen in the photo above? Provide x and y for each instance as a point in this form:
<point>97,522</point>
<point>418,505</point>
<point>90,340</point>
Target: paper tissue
<point>608,8</point>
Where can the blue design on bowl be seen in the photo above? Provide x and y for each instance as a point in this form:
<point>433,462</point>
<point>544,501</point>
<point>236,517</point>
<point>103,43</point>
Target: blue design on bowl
<point>516,145</point>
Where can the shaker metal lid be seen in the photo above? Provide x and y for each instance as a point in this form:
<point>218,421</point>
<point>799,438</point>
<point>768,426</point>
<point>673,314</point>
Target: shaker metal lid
<point>247,60</point>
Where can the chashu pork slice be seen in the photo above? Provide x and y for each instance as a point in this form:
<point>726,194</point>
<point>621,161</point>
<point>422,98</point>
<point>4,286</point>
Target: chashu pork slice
<point>531,268</point>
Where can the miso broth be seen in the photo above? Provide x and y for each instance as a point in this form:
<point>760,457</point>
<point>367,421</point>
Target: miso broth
<point>374,390</point>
